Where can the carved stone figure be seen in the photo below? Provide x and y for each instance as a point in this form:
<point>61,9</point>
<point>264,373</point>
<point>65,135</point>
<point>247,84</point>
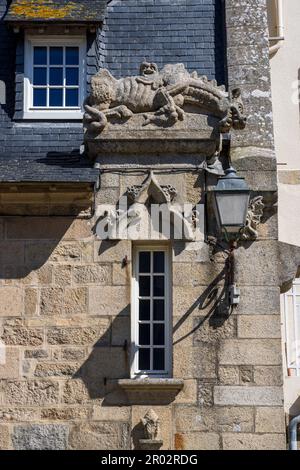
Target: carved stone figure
<point>151,425</point>
<point>161,97</point>
<point>151,188</point>
<point>255,213</point>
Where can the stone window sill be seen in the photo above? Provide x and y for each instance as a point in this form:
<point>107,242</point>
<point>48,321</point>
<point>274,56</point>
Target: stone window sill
<point>161,385</point>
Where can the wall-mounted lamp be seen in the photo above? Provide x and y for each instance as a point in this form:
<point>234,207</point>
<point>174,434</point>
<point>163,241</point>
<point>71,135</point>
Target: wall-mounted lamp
<point>231,198</point>
<point>231,201</point>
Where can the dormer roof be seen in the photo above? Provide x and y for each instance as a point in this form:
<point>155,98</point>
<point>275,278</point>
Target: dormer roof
<point>56,11</point>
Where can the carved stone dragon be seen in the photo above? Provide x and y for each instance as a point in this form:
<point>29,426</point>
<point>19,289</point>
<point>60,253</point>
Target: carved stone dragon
<point>161,97</point>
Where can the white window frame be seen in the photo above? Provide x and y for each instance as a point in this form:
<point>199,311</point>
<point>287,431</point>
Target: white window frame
<point>54,113</point>
<point>296,323</point>
<point>135,372</point>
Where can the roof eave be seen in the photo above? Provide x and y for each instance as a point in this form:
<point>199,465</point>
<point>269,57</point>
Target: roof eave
<point>38,22</point>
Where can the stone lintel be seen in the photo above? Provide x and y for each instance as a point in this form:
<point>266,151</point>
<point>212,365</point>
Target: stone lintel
<point>165,144</point>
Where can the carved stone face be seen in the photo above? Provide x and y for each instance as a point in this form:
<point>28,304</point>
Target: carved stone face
<point>148,69</point>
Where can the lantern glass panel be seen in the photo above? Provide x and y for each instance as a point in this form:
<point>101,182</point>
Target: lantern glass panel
<point>232,209</point>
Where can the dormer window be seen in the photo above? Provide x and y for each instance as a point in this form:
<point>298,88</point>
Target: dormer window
<point>55,77</point>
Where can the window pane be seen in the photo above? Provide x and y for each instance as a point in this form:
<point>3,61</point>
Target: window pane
<point>158,359</point>
<point>40,56</point>
<point>56,55</point>
<point>39,97</point>
<point>72,55</point>
<point>158,286</point>
<point>144,335</point>
<point>144,310</point>
<point>56,97</point>
<point>158,310</point>
<point>144,286</point>
<point>159,262</point>
<point>159,334</point>
<point>72,97</point>
<point>144,264</point>
<point>72,75</point>
<point>56,76</point>
<point>144,359</point>
<point>40,76</point>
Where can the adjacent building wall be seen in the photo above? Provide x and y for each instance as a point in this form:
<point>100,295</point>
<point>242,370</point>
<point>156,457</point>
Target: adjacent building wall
<point>285,75</point>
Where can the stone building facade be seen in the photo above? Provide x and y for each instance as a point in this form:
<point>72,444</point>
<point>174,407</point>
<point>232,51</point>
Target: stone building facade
<point>68,378</point>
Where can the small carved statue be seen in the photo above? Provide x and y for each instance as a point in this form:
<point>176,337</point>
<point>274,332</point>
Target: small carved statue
<point>151,425</point>
<point>255,213</point>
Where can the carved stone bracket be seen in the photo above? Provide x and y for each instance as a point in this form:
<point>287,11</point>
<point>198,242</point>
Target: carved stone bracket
<point>164,100</point>
<point>255,213</point>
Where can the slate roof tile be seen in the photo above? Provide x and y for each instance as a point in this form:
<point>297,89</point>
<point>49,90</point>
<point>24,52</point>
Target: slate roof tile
<point>58,168</point>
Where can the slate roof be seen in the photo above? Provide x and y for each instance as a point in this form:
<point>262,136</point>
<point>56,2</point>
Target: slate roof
<point>62,11</point>
<point>58,168</point>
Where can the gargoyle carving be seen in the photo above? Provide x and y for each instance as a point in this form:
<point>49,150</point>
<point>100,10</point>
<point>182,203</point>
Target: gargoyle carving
<point>255,213</point>
<point>160,96</point>
<point>151,425</point>
<point>235,117</point>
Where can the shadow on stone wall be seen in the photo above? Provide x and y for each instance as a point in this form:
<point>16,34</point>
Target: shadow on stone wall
<point>108,362</point>
<point>33,242</point>
<point>214,301</point>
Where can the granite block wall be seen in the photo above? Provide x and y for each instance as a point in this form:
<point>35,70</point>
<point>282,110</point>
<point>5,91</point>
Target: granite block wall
<point>67,339</point>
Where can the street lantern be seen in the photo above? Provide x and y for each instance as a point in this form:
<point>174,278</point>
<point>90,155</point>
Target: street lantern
<point>231,201</point>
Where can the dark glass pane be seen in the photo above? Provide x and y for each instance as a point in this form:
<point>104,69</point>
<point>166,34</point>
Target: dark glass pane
<point>72,76</point>
<point>72,55</point>
<point>144,334</point>
<point>56,55</point>
<point>145,262</point>
<point>40,76</point>
<point>144,286</point>
<point>72,97</point>
<point>40,56</point>
<point>144,310</point>
<point>56,97</point>
<point>158,359</point>
<point>158,334</point>
<point>144,359</point>
<point>39,97</point>
<point>158,310</point>
<point>158,286</point>
<point>56,76</point>
<point>159,261</point>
